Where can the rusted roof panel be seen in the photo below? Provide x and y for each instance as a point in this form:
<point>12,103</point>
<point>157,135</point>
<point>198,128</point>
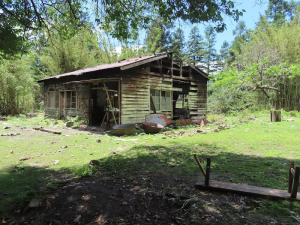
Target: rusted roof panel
<point>118,64</point>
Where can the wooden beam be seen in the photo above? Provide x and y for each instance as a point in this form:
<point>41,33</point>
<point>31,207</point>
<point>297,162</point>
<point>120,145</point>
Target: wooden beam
<point>181,64</point>
<point>207,172</point>
<point>177,89</point>
<point>291,177</point>
<point>181,78</point>
<point>119,100</point>
<point>168,67</point>
<point>142,62</point>
<point>110,105</point>
<point>246,189</point>
<point>152,104</point>
<point>159,75</point>
<point>199,164</point>
<point>171,55</point>
<point>198,70</point>
<point>295,183</point>
<point>94,80</point>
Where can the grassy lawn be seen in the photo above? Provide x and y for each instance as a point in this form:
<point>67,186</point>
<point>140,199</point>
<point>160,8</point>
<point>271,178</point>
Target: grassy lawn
<point>253,151</point>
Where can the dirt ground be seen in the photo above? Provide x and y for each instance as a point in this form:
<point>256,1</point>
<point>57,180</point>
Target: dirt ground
<point>113,200</point>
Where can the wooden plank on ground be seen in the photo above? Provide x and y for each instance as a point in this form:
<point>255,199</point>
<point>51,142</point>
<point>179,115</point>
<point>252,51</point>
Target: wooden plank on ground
<point>245,189</point>
<point>47,130</point>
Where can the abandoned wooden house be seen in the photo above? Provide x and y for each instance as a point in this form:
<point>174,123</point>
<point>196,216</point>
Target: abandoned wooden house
<point>127,91</point>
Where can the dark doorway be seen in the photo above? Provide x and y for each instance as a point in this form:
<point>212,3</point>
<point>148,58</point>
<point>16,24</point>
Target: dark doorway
<point>104,103</point>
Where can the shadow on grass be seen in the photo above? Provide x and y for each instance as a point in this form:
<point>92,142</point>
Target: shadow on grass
<point>150,185</point>
<point>21,183</point>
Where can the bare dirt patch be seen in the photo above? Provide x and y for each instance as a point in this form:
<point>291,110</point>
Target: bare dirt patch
<point>107,199</point>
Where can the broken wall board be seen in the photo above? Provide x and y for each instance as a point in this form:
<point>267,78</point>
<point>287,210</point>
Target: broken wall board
<point>246,189</point>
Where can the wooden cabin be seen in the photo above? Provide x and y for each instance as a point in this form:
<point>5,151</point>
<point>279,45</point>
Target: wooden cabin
<point>127,91</point>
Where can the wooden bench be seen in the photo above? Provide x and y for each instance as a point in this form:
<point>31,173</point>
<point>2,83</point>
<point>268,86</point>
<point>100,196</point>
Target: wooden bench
<point>245,189</point>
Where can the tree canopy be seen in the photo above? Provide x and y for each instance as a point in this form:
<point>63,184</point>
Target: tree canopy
<point>122,18</point>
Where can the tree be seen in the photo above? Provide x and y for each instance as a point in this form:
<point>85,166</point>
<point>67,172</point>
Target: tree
<point>209,54</point>
<point>19,19</point>
<point>85,49</point>
<point>224,54</point>
<point>16,86</point>
<point>242,35</point>
<point>194,45</point>
<point>177,43</point>
<point>158,36</point>
<point>122,18</point>
<point>279,11</point>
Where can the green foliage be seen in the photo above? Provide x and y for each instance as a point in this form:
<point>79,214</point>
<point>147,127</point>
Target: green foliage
<point>230,91</point>
<point>266,59</point>
<point>76,120</point>
<point>280,11</point>
<point>158,35</point>
<point>66,55</point>
<point>194,45</point>
<point>177,43</point>
<point>122,18</point>
<point>209,54</point>
<point>16,86</point>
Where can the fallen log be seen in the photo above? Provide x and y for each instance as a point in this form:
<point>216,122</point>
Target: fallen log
<point>46,130</point>
<point>10,134</point>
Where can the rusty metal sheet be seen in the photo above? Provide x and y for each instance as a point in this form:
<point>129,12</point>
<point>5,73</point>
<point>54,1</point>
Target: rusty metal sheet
<point>106,66</point>
<point>159,119</point>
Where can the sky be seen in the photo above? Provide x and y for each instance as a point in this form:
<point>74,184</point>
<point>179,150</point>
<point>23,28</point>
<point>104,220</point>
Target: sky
<point>250,17</point>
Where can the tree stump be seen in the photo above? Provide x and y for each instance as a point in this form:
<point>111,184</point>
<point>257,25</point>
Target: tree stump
<point>275,116</point>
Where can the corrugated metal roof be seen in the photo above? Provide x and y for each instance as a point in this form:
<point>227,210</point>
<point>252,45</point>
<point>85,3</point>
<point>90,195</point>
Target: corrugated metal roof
<point>107,66</point>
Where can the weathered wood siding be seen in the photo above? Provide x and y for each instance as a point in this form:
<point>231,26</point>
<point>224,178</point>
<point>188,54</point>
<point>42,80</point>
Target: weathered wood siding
<point>51,112</point>
<point>82,103</point>
<point>135,94</point>
<point>136,84</point>
<point>198,99</point>
<point>162,84</point>
<point>135,97</point>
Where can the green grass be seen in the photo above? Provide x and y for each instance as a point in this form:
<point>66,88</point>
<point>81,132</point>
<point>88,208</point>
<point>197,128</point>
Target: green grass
<point>255,152</point>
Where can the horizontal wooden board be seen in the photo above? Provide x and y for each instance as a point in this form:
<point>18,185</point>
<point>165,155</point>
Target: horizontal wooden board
<point>135,112</point>
<point>130,76</point>
<point>198,89</point>
<point>246,189</point>
<point>136,90</point>
<point>134,108</point>
<point>139,81</point>
<point>197,105</point>
<point>124,95</point>
<point>145,84</point>
<point>135,100</point>
<point>141,115</point>
<point>136,79</point>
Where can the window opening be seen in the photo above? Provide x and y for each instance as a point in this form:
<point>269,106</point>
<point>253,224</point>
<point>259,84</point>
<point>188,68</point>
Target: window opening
<point>51,99</point>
